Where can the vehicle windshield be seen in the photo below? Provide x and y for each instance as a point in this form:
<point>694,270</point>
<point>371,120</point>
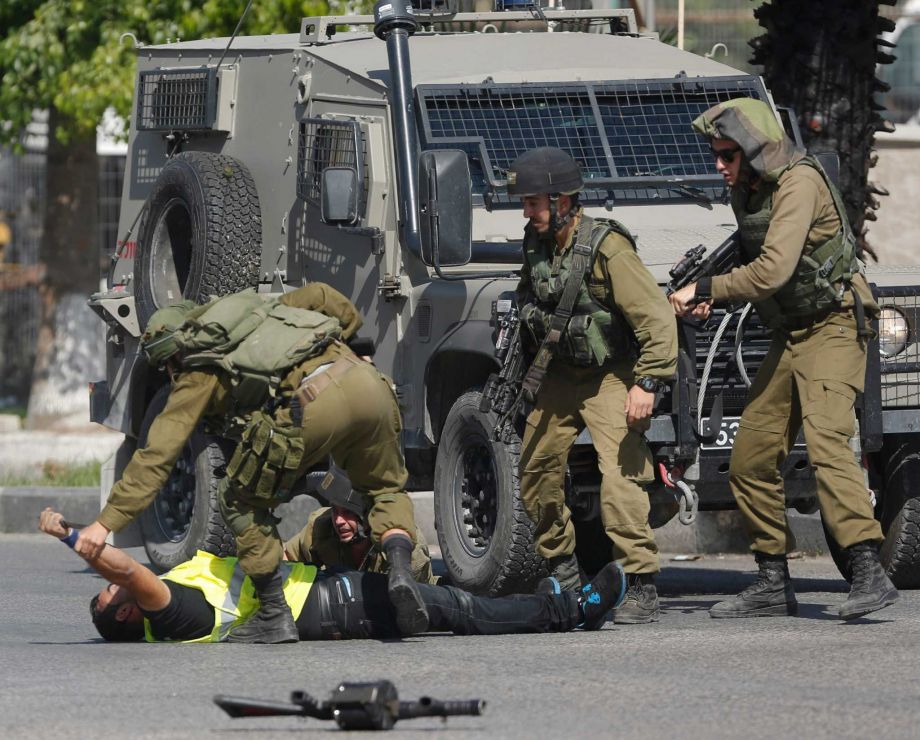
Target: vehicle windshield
<point>632,139</point>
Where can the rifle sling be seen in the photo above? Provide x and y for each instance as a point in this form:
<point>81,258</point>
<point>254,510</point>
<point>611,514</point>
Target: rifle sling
<point>581,263</point>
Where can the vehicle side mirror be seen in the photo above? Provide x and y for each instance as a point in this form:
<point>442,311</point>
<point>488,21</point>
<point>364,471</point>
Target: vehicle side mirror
<point>445,207</point>
<point>339,199</point>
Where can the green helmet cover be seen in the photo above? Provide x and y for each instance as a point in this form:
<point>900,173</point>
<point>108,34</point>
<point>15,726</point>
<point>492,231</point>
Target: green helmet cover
<point>159,339</point>
<point>545,169</point>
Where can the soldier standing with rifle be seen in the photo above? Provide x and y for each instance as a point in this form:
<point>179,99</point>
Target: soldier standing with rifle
<point>587,302</point>
<point>800,270</point>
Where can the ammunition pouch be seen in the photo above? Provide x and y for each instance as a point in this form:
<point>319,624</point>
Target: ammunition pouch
<point>266,461</point>
<point>589,340</point>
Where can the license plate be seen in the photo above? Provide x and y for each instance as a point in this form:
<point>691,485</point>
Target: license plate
<point>726,437</point>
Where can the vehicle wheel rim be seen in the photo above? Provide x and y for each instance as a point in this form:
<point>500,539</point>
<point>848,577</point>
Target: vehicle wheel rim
<point>477,502</point>
<point>171,253</point>
<point>175,502</point>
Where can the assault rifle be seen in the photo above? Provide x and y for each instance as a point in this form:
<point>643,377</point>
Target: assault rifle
<point>354,706</point>
<point>695,264</point>
<point>502,393</point>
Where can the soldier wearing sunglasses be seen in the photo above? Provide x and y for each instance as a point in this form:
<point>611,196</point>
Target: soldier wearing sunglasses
<point>801,272</point>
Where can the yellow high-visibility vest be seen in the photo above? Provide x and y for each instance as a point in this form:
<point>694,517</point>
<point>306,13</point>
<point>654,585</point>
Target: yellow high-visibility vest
<point>230,591</point>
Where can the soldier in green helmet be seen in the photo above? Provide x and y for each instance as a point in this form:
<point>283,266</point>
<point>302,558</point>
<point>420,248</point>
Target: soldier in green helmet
<point>800,270</point>
<point>332,403</point>
<point>599,362</point>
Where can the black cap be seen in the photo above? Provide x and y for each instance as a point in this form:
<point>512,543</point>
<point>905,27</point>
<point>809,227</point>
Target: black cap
<point>336,488</point>
<point>544,170</point>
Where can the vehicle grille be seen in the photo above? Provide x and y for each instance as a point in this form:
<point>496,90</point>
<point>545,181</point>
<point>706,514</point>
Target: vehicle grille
<point>724,376</point>
<point>177,100</point>
<point>900,375</point>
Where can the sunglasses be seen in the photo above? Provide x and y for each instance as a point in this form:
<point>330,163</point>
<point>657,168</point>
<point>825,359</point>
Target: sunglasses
<point>726,155</point>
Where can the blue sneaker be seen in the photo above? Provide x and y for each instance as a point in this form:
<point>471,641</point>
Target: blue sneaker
<point>605,592</point>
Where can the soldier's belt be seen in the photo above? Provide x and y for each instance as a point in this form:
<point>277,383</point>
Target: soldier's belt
<point>311,386</point>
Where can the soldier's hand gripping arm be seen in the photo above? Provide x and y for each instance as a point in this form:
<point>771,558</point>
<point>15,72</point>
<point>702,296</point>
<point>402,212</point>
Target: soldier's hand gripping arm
<point>326,299</point>
<point>150,466</point>
<point>114,565</point>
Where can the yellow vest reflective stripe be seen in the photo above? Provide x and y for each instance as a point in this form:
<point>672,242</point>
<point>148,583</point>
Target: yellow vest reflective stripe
<point>231,593</point>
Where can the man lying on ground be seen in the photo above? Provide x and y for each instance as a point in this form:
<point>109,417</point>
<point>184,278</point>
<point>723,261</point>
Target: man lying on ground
<point>203,598</point>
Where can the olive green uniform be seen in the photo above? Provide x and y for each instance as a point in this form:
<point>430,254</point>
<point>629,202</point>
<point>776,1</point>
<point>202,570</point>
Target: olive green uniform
<point>816,362</point>
<point>318,544</point>
<point>356,419</point>
<point>809,380</point>
<point>573,397</point>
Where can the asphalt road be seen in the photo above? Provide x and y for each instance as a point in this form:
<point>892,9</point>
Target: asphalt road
<point>688,676</point>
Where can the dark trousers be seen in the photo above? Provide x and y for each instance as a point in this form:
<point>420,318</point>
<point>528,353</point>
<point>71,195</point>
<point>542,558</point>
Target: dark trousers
<point>353,605</point>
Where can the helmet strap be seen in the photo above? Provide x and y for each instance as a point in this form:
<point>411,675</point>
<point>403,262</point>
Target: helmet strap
<point>557,222</point>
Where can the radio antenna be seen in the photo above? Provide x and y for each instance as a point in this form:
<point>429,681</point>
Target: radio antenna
<point>235,32</point>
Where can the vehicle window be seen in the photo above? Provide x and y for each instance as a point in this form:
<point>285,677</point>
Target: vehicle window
<point>325,143</point>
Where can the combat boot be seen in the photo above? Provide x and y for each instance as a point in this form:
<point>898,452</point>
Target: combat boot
<point>273,623</point>
<point>771,595</point>
<point>871,589</point>
<point>641,603</point>
<point>411,614</point>
<point>565,575</point>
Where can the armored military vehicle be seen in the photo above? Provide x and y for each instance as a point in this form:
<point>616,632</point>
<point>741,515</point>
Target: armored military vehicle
<point>370,153</point>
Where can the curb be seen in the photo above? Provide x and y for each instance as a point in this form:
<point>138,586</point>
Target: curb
<point>20,506</point>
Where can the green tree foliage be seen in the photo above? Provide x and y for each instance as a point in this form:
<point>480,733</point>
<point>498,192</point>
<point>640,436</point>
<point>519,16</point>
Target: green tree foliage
<point>69,55</point>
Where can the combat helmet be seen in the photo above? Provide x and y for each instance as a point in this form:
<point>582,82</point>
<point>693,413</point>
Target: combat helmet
<point>159,339</point>
<point>336,488</point>
<point>544,170</point>
<point>549,170</point>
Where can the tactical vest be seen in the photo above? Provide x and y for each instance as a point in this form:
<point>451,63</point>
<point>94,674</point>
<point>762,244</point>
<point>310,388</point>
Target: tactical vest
<point>231,593</point>
<point>257,342</point>
<point>597,331</point>
<point>821,277</point>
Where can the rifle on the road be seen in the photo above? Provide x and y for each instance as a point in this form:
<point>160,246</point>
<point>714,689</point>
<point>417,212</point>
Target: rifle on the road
<point>502,393</point>
<point>354,706</point>
<point>696,264</point>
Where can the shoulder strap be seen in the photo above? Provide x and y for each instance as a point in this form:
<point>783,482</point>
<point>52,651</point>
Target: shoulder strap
<point>583,256</point>
<point>835,193</point>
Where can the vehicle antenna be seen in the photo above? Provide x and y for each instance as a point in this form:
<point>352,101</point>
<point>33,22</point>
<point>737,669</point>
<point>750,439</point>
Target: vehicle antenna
<point>235,32</point>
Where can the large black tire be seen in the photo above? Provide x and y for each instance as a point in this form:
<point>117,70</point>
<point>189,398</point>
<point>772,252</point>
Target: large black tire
<point>184,516</point>
<point>901,512</point>
<point>201,232</point>
<point>485,535</point>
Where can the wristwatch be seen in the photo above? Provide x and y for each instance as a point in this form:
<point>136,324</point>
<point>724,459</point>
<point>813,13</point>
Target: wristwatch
<point>649,384</point>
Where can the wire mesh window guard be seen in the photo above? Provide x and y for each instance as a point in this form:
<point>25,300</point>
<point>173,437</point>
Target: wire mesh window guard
<point>328,143</point>
<point>623,134</point>
<point>177,100</point>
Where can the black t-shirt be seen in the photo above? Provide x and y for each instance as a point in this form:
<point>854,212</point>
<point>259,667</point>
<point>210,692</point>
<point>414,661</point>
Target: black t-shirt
<point>188,615</point>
